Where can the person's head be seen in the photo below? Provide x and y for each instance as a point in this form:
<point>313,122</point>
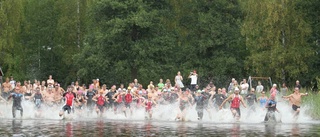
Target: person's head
<point>219,90</point>
<point>7,79</point>
<point>135,80</point>
<point>17,90</point>
<point>259,82</point>
<point>178,73</point>
<point>43,83</point>
<point>197,86</point>
<point>194,72</point>
<point>244,81</point>
<point>113,87</point>
<point>252,91</point>
<point>70,88</point>
<point>284,85</point>
<point>274,86</point>
<point>236,91</point>
<point>129,89</point>
<point>11,77</point>
<point>50,76</point>
<point>263,93</point>
<point>49,89</point>
<point>296,89</point>
<point>161,80</point>
<point>151,83</point>
<point>104,86</point>
<point>101,92</point>
<point>77,83</point>
<point>38,89</point>
<point>168,81</point>
<point>297,82</point>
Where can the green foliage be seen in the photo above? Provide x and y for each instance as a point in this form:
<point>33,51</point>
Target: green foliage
<point>276,36</point>
<point>117,41</point>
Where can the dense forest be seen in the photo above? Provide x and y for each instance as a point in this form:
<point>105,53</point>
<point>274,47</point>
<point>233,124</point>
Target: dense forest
<point>119,40</point>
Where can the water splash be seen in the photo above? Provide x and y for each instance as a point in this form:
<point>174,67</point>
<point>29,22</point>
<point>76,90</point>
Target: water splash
<point>162,113</point>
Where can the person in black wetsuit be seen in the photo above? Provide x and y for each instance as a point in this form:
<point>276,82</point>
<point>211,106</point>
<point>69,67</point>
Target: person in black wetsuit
<point>272,107</point>
<point>109,95</point>
<point>218,99</point>
<point>89,96</point>
<point>17,98</point>
<point>37,97</point>
<point>199,101</point>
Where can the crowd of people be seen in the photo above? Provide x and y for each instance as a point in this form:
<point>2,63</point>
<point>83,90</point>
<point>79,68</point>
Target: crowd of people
<point>126,99</point>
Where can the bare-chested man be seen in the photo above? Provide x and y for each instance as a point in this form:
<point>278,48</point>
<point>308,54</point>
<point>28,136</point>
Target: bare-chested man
<point>6,88</point>
<point>58,92</point>
<point>295,100</point>
<point>49,96</point>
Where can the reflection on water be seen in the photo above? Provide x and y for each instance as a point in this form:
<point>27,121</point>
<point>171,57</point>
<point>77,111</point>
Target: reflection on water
<point>102,127</point>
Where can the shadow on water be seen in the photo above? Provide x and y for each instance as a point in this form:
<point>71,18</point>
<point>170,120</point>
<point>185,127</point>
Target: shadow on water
<point>103,127</point>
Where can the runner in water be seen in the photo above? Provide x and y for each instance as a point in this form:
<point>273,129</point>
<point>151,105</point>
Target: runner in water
<point>100,101</point>
<point>128,100</point>
<point>272,107</point>
<point>17,98</point>
<point>251,100</point>
<point>183,105</point>
<point>70,97</point>
<point>295,99</point>
<point>89,97</point>
<point>119,99</point>
<point>199,101</point>
<point>218,99</point>
<point>38,99</point>
<point>110,94</point>
<point>235,99</point>
<point>148,106</point>
<point>6,86</point>
<point>263,99</point>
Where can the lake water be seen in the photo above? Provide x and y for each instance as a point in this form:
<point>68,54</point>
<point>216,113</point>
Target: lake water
<point>163,124</point>
<point>101,128</point>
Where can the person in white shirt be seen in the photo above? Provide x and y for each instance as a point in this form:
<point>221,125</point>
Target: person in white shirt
<point>259,88</point>
<point>244,86</point>
<point>194,78</point>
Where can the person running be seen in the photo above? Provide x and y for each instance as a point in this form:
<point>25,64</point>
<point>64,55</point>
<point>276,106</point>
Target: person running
<point>218,99</point>
<point>183,105</point>
<point>263,99</point>
<point>89,97</point>
<point>271,106</point>
<point>17,98</point>
<point>6,88</point>
<point>119,99</point>
<point>148,104</point>
<point>110,94</point>
<point>235,99</point>
<point>128,100</point>
<point>199,101</point>
<point>251,100</point>
<point>70,97</point>
<point>295,99</point>
<point>37,98</point>
<point>100,101</point>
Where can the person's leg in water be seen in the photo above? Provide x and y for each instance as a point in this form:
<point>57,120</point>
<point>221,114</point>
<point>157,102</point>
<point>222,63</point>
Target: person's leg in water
<point>296,111</point>
<point>200,114</point>
<point>14,111</point>
<point>236,113</point>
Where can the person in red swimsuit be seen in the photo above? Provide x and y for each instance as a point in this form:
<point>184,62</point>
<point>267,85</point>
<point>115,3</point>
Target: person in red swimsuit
<point>148,105</point>
<point>69,98</point>
<point>235,99</point>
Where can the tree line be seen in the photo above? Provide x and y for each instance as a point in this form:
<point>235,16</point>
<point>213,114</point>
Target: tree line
<point>119,40</point>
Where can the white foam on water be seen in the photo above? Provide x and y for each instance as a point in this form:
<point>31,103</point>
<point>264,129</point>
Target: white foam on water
<point>160,113</point>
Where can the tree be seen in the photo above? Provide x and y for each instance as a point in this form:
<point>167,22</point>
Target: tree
<point>276,36</point>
